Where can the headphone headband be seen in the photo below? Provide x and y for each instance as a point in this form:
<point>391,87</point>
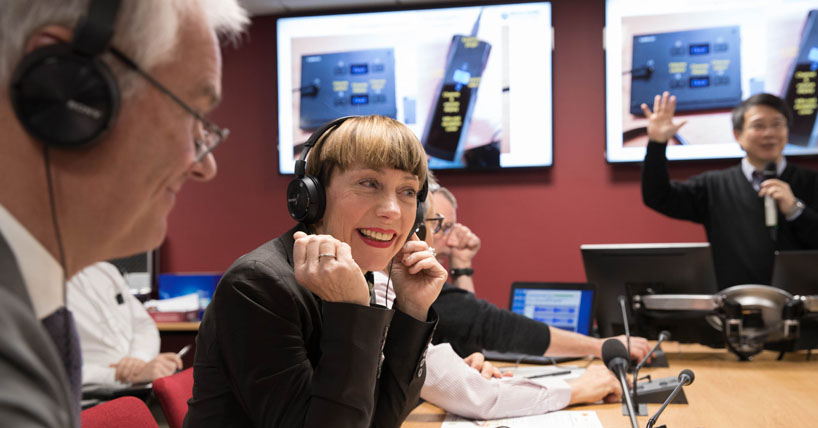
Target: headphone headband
<point>95,30</point>
<point>301,163</point>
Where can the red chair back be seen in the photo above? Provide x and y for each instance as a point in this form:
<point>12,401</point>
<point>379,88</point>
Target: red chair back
<point>124,412</point>
<point>173,392</point>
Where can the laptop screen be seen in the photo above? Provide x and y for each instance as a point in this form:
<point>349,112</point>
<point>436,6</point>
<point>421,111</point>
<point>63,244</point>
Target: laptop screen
<point>566,306</point>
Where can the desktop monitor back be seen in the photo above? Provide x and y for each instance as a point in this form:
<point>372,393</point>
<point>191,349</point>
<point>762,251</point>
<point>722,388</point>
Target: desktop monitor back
<point>797,273</point>
<point>636,269</point>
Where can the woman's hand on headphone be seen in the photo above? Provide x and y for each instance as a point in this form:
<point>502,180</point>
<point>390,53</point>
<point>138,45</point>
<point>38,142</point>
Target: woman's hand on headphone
<point>324,265</point>
<point>418,278</point>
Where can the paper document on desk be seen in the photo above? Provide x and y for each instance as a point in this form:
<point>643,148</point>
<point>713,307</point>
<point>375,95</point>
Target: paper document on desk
<point>562,419</point>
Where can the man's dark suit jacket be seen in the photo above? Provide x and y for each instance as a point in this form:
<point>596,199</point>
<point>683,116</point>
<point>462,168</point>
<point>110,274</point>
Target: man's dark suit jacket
<point>34,390</point>
<point>271,354</point>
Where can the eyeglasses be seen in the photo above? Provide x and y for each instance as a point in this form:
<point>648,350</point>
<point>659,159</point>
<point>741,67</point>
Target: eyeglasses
<point>445,228</point>
<point>762,127</point>
<point>438,220</point>
<point>210,134</point>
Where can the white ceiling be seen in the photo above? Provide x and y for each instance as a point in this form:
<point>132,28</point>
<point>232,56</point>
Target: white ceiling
<point>277,7</point>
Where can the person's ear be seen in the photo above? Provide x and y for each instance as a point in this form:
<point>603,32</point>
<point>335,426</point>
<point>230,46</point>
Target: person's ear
<point>48,35</point>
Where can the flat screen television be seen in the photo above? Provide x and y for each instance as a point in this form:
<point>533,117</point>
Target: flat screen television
<point>635,269</point>
<point>473,83</point>
<point>711,54</point>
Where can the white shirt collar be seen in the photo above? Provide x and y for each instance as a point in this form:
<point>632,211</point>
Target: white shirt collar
<point>747,168</point>
<point>42,274</point>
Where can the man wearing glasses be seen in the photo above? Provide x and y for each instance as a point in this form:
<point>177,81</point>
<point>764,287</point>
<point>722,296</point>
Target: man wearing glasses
<point>455,244</point>
<point>730,202</point>
<point>470,324</point>
<point>101,106</point>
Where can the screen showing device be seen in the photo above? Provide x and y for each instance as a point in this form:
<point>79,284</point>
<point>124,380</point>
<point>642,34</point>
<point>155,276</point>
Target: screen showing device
<point>564,308</point>
<point>710,54</point>
<point>635,269</point>
<point>473,83</point>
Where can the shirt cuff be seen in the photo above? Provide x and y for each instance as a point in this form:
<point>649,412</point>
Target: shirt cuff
<point>560,392</point>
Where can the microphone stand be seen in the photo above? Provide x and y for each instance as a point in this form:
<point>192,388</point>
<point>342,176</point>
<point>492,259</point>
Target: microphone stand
<point>628,401</point>
<point>685,378</point>
<point>662,337</point>
<point>627,324</point>
<point>640,410</point>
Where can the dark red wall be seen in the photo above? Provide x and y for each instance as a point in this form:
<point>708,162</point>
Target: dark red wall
<point>531,222</point>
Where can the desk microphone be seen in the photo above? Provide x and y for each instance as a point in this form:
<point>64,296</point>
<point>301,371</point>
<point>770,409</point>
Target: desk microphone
<point>685,378</point>
<point>617,359</point>
<point>664,335</point>
<point>622,304</point>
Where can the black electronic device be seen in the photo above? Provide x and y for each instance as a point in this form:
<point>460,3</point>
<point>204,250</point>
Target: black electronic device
<point>795,272</point>
<point>702,68</point>
<point>750,317</point>
<point>353,83</point>
<point>635,269</point>
<point>64,95</point>
<point>446,130</point>
<point>800,89</point>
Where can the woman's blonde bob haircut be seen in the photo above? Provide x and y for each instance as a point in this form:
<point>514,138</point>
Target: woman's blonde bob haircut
<point>371,141</point>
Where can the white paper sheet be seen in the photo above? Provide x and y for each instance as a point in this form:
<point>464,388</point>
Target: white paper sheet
<point>561,419</point>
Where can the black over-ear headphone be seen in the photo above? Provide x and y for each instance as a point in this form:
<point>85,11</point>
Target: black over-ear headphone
<point>63,94</point>
<point>306,199</point>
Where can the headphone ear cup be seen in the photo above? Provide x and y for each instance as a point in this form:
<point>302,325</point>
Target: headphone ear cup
<point>62,98</point>
<point>306,199</point>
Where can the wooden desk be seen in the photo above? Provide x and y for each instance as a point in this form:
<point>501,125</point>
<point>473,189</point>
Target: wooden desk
<point>725,393</point>
<point>178,326</point>
<point>176,335</point>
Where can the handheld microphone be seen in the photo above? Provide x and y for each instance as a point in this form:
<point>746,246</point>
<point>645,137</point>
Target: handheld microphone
<point>770,207</point>
<point>685,378</point>
<point>622,304</point>
<point>617,359</point>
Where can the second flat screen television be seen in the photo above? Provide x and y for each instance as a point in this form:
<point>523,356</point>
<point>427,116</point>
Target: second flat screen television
<point>473,83</point>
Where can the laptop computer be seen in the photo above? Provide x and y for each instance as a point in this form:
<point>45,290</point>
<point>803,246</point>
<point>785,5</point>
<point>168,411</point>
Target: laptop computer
<point>566,305</point>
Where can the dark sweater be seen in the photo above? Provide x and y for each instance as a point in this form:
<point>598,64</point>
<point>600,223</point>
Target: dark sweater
<point>471,325</point>
<point>269,353</point>
<point>726,204</point>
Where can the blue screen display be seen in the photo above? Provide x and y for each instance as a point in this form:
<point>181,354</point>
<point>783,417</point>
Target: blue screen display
<point>358,69</point>
<point>700,49</point>
<point>566,309</point>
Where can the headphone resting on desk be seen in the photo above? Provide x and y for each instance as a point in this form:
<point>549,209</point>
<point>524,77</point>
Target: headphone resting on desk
<point>306,198</point>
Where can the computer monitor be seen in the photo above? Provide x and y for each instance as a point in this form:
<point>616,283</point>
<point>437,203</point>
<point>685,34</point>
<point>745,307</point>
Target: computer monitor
<point>569,306</point>
<point>637,269</point>
<point>795,272</point>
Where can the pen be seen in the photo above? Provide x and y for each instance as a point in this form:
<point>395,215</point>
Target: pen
<point>183,351</point>
<point>562,372</point>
